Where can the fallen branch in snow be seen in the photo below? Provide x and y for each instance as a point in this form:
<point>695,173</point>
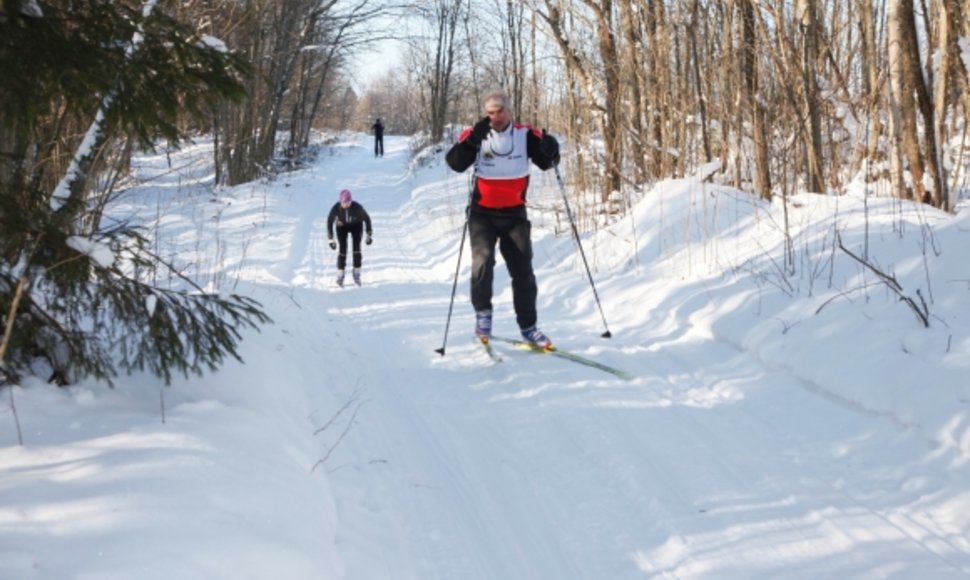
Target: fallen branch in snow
<point>922,310</point>
<point>354,397</point>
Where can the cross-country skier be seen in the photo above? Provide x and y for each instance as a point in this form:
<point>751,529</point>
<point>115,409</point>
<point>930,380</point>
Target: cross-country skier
<point>350,218</point>
<point>378,129</point>
<point>501,152</point>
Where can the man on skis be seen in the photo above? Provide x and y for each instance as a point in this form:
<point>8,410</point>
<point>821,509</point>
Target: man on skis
<point>501,152</point>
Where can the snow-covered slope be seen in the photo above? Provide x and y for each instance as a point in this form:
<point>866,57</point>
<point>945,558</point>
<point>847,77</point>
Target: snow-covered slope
<point>786,420</point>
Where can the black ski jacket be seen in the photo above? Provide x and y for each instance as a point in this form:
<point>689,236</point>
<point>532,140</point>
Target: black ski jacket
<point>350,216</point>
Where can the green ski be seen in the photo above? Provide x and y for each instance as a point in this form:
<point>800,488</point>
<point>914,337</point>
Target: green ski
<point>489,349</point>
<point>566,355</point>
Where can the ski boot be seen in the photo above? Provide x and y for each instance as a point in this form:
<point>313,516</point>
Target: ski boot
<point>483,325</point>
<point>536,337</point>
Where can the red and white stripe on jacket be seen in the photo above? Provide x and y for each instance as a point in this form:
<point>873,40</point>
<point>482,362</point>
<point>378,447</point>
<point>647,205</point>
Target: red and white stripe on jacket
<point>502,166</point>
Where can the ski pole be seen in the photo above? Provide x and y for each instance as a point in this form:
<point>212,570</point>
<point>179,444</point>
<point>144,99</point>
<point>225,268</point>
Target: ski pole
<point>454,285</point>
<point>572,223</point>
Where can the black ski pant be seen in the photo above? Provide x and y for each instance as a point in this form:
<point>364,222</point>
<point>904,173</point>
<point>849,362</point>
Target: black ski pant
<point>379,146</point>
<point>513,234</point>
<point>356,232</point>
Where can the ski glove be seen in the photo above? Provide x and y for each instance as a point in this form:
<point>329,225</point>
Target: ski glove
<point>479,132</point>
<point>549,147</point>
<point>370,240</point>
<point>333,244</point>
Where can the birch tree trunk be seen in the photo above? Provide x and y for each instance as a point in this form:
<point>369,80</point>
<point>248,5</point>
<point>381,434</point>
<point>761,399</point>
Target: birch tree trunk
<point>947,76</point>
<point>732,117</point>
<point>808,18</point>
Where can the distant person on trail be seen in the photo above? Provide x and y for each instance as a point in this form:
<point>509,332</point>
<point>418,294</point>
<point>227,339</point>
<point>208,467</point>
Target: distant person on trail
<point>350,218</point>
<point>501,151</point>
<point>378,129</point>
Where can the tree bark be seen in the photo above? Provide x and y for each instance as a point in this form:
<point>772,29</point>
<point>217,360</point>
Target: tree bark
<point>698,83</point>
<point>750,85</point>
<point>872,83</point>
<point>603,9</point>
<point>808,18</point>
<point>948,75</point>
<point>909,95</point>
<point>633,48</point>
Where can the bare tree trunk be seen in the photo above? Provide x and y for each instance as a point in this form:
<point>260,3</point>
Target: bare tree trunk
<point>633,47</point>
<point>948,49</point>
<point>658,62</point>
<point>750,84</point>
<point>732,118</point>
<point>961,18</point>
<point>907,96</point>
<point>808,17</point>
<point>872,83</point>
<point>516,72</point>
<point>612,137</point>
<point>699,87</point>
<point>533,110</point>
<point>931,140</point>
<point>677,112</point>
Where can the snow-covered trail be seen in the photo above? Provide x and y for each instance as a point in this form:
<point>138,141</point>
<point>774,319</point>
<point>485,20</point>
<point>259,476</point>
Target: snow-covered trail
<point>708,464</point>
<point>778,426</point>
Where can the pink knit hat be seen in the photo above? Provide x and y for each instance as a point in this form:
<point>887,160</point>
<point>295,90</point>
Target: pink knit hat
<point>345,196</point>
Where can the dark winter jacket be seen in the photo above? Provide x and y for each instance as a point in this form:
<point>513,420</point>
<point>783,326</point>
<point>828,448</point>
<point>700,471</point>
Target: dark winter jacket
<point>354,215</point>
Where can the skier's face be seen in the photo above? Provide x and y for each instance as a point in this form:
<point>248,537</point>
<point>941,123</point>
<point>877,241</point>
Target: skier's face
<point>499,117</point>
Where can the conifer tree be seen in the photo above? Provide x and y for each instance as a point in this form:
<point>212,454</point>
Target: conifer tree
<point>86,305</point>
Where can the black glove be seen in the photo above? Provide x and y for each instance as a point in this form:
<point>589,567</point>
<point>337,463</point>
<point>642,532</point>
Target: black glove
<point>370,240</point>
<point>479,132</point>
<point>549,147</point>
<point>333,244</point>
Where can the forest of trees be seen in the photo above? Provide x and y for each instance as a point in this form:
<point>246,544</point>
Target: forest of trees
<point>783,96</point>
<point>779,96</point>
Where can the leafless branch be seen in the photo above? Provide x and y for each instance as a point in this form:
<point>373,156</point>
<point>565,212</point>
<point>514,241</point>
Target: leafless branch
<point>890,281</point>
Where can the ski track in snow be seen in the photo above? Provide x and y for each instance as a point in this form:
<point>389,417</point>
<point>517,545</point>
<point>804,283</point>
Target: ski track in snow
<point>484,471</point>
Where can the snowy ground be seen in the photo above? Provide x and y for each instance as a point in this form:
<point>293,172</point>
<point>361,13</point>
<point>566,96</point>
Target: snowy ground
<point>779,425</point>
